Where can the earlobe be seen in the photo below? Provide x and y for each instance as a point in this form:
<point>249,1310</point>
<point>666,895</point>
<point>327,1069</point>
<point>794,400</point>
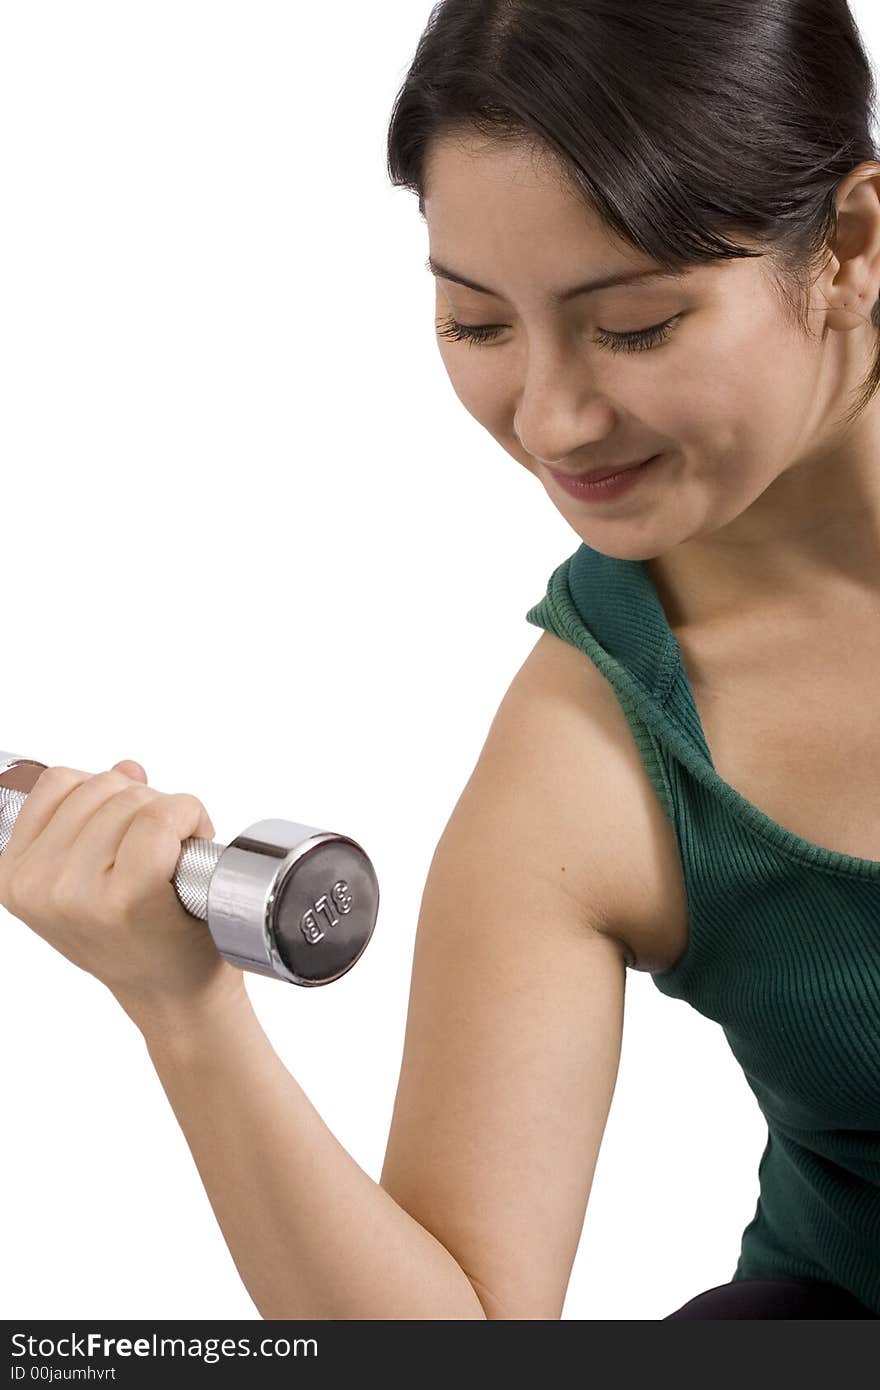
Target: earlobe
<point>843,318</point>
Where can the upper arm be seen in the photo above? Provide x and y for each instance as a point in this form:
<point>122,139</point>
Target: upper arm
<point>516,1005</point>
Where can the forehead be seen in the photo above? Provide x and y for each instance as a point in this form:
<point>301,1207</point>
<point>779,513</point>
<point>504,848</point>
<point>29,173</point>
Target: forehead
<point>466,155</point>
<point>511,202</point>
<point>457,166</point>
<point>484,193</point>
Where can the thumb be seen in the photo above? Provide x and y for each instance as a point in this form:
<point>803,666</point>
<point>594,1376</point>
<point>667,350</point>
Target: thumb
<point>131,769</point>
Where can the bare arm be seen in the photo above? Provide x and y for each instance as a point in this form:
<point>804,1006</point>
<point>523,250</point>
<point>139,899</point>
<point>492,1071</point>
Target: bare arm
<point>311,1234</point>
<point>510,1059</point>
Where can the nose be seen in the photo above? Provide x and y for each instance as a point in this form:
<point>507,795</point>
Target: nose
<point>560,412</point>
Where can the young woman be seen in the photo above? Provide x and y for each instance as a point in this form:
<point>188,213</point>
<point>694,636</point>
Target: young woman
<point>655,228</point>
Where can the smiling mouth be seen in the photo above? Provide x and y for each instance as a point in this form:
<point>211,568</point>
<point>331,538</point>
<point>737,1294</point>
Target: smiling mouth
<point>600,474</point>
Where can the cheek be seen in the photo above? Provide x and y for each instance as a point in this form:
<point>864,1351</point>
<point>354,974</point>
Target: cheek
<point>752,399</point>
<point>480,391</point>
<point>488,401</point>
<point>730,383</point>
<point>749,361</point>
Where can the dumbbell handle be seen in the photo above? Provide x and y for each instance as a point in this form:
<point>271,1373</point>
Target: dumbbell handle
<point>197,862</point>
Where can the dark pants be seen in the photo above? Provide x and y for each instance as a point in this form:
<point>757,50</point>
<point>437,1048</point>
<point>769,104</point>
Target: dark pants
<point>773,1298</point>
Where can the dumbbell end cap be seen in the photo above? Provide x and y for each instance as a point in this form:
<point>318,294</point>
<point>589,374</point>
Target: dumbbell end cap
<point>293,902</point>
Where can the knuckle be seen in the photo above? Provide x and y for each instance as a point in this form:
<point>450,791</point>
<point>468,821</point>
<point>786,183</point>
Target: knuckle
<point>57,777</point>
<point>23,890</point>
<point>191,802</point>
<point>164,807</point>
<point>136,792</point>
<point>156,808</point>
<point>65,891</point>
<point>111,778</point>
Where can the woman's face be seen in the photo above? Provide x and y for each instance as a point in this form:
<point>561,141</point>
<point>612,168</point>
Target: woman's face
<point>733,396</point>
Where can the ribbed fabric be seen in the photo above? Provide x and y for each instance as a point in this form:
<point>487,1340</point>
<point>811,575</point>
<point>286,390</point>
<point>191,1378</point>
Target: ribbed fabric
<point>783,951</point>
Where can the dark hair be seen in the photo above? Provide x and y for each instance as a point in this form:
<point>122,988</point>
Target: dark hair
<point>679,122</point>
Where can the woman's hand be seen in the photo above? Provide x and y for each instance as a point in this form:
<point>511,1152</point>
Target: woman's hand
<point>89,867</point>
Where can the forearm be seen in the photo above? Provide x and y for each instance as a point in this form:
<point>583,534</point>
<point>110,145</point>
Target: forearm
<point>311,1234</point>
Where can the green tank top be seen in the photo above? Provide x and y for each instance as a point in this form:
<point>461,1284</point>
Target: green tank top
<point>783,950</point>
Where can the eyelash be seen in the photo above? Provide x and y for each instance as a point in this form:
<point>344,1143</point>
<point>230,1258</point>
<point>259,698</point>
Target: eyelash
<point>640,341</point>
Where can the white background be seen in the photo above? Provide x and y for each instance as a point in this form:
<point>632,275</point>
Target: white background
<point>253,540</point>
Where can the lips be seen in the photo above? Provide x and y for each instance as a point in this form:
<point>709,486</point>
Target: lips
<point>600,473</point>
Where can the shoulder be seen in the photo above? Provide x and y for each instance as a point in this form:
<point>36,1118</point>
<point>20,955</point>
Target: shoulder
<point>594,800</point>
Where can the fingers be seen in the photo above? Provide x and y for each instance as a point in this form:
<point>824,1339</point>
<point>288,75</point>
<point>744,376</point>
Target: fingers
<point>94,848</point>
<point>51,789</point>
<point>149,849</point>
<point>131,769</point>
<point>67,807</point>
<point>88,868</point>
<point>67,833</point>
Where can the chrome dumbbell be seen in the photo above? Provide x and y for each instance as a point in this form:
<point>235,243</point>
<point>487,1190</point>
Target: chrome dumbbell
<point>283,899</point>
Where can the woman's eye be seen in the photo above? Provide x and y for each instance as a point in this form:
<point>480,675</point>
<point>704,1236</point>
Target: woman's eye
<point>638,341</point>
<point>466,333</point>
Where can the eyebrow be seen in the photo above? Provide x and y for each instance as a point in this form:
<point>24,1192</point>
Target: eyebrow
<point>590,287</point>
